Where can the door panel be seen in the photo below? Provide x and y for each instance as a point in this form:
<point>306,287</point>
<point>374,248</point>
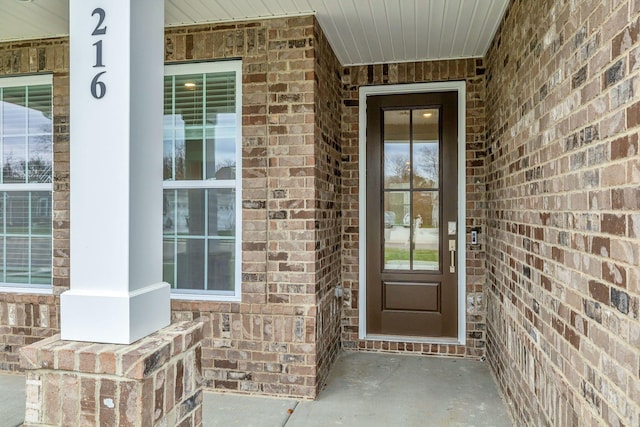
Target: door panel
<point>411,198</point>
<point>411,296</point>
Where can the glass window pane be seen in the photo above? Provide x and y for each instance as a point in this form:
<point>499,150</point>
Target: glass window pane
<point>426,150</point>
<point>190,212</point>
<point>187,152</point>
<point>221,265</point>
<point>17,213</point>
<point>193,153</point>
<point>167,148</point>
<point>188,99</point>
<point>39,101</point>
<point>221,95</point>
<point>397,157</point>
<point>169,211</point>
<point>14,113</point>
<point>17,262</point>
<point>222,212</point>
<point>41,260</point>
<point>169,261</point>
<point>396,233</point>
<point>41,213</point>
<point>168,98</point>
<point>426,233</point>
<point>190,264</point>
<point>14,161</point>
<point>179,154</point>
<point>3,196</point>
<point>2,261</point>
<point>40,159</point>
<point>221,149</point>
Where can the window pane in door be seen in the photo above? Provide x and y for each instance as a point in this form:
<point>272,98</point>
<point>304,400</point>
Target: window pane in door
<point>397,151</point>
<point>426,232</point>
<point>397,233</point>
<point>426,150</point>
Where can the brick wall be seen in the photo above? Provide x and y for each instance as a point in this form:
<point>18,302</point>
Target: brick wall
<point>25,319</point>
<point>267,343</point>
<point>328,214</point>
<point>471,71</point>
<point>563,80</point>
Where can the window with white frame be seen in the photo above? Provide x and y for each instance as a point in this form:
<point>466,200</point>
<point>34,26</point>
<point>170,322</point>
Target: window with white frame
<point>26,156</point>
<point>202,179</point>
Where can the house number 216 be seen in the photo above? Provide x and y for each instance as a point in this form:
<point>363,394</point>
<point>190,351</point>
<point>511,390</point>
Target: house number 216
<point>98,88</point>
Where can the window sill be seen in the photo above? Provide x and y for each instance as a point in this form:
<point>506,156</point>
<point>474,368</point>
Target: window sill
<point>13,289</point>
<point>197,296</point>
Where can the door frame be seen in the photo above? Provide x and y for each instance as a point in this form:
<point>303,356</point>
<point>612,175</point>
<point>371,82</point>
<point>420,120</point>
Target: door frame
<point>401,89</point>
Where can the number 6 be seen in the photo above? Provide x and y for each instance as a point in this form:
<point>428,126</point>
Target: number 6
<point>98,88</point>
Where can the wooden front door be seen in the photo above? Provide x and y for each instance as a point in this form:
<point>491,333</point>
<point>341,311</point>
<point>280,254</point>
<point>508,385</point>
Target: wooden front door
<point>411,236</point>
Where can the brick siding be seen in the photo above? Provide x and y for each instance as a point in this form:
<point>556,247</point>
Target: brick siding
<point>267,343</point>
<point>328,218</point>
<point>563,80</point>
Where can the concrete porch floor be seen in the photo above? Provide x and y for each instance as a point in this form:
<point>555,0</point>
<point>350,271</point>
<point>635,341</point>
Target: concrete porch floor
<point>363,389</point>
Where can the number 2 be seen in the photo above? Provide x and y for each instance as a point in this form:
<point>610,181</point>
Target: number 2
<point>99,31</point>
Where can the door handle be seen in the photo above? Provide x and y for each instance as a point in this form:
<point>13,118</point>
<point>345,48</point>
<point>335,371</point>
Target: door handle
<point>452,253</point>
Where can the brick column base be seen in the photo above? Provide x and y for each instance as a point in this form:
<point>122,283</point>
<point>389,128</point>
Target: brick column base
<point>154,381</point>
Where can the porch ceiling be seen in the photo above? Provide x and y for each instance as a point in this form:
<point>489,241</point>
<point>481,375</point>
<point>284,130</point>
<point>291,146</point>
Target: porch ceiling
<point>360,31</point>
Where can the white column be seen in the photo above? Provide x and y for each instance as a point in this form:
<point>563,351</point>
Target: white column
<point>116,81</point>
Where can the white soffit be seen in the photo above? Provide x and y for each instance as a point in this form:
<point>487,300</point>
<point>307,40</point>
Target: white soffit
<point>360,31</point>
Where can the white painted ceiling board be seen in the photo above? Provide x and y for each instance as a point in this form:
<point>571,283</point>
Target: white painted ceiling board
<point>360,31</point>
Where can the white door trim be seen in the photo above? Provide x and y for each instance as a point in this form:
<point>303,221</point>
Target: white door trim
<point>365,91</point>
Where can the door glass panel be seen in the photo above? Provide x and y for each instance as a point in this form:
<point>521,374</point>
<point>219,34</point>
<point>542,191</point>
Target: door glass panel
<point>397,151</point>
<point>411,163</point>
<point>426,231</point>
<point>396,234</point>
<point>426,150</point>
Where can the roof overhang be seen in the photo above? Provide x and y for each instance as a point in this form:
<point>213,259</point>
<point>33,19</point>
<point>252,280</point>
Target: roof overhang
<point>360,31</point>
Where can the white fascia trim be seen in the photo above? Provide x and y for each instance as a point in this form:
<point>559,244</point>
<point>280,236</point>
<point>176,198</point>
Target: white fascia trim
<point>26,80</point>
<point>449,86</point>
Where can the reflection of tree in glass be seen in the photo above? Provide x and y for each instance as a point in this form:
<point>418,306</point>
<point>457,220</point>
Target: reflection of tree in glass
<point>168,164</point>
<point>396,169</point>
<point>37,168</point>
<point>40,170</point>
<point>13,170</point>
<point>427,163</point>
<point>40,150</point>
